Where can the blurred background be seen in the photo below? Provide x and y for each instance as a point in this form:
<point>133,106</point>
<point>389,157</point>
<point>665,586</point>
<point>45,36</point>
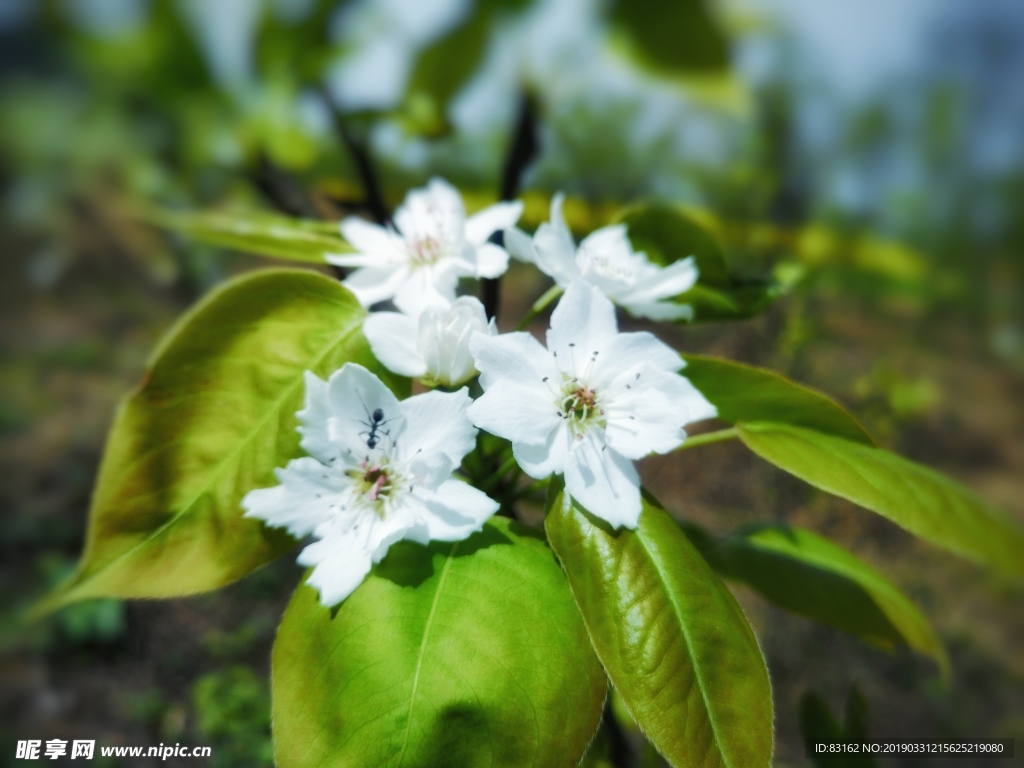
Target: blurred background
<point>861,163</point>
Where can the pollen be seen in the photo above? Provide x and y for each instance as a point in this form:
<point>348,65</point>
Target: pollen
<point>579,405</point>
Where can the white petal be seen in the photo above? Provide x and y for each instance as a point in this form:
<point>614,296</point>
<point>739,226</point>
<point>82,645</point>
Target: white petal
<point>313,417</point>
<point>393,338</point>
<point>355,395</point>
<point>373,240</point>
<point>583,322</point>
<point>516,412</point>
<point>603,482</point>
<point>555,253</point>
<point>337,573</point>
<point>431,469</point>
<point>344,555</point>
<point>371,285</point>
<point>491,260</point>
<point>518,356</point>
<point>456,510</point>
<point>519,245</point>
<point>302,501</point>
<point>437,422</point>
<point>547,458</point>
<point>649,417</point>
<point>428,286</point>
<point>556,217</point>
<point>480,226</point>
<point>622,355</point>
<point>434,212</point>
<point>663,283</point>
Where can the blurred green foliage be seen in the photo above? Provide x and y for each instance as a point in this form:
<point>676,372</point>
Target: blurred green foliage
<point>232,711</point>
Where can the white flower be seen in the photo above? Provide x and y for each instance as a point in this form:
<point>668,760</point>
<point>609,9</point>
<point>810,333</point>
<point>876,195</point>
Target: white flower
<point>606,260</point>
<point>433,347</point>
<point>379,471</point>
<point>419,261</point>
<point>589,405</point>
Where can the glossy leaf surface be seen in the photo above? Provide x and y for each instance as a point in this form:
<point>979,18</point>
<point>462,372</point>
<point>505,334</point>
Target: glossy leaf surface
<point>915,497</point>
<point>259,233</point>
<point>212,418</point>
<point>743,393</point>
<point>672,638</point>
<point>807,574</point>
<point>455,655</point>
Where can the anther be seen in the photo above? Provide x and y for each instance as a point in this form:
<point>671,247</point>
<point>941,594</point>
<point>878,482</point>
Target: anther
<point>571,344</point>
<point>545,378</point>
<point>638,375</point>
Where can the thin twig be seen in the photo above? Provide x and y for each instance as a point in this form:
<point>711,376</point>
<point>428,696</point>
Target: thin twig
<point>282,191</point>
<point>539,306</point>
<point>357,147</point>
<point>521,152</point>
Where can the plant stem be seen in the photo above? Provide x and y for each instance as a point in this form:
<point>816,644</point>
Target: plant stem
<point>521,151</point>
<point>496,477</point>
<point>282,191</point>
<point>539,306</point>
<point>708,438</point>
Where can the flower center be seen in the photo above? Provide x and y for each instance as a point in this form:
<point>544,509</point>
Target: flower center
<point>579,406</point>
<point>425,251</point>
<point>375,484</point>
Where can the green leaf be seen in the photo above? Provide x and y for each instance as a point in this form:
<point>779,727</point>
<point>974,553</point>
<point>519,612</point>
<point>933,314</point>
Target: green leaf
<point>264,234</point>
<point>212,418</point>
<point>675,36</point>
<point>810,575</point>
<point>673,640</point>
<point>917,498</point>
<point>464,654</point>
<point>744,393</point>
<point>667,234</point>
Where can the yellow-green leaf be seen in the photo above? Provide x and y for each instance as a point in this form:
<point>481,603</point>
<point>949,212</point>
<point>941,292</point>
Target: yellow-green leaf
<point>672,638</point>
<point>448,656</point>
<point>212,418</point>
<point>915,497</point>
<point>809,575</point>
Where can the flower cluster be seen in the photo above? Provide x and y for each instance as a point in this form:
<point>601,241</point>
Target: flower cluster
<point>586,406</point>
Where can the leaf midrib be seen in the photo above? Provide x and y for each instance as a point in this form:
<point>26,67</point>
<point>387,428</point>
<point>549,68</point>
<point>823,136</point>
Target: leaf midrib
<point>663,577</point>
<point>216,473</point>
<point>423,649</point>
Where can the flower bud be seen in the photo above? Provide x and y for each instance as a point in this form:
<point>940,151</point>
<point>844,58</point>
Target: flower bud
<point>443,340</point>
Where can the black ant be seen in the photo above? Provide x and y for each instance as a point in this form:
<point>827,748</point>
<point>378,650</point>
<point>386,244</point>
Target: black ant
<point>375,421</point>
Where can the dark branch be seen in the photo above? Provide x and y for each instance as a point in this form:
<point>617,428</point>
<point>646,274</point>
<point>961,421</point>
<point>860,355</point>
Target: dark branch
<point>523,148</point>
<point>282,191</point>
<point>521,152</point>
<point>358,148</point>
